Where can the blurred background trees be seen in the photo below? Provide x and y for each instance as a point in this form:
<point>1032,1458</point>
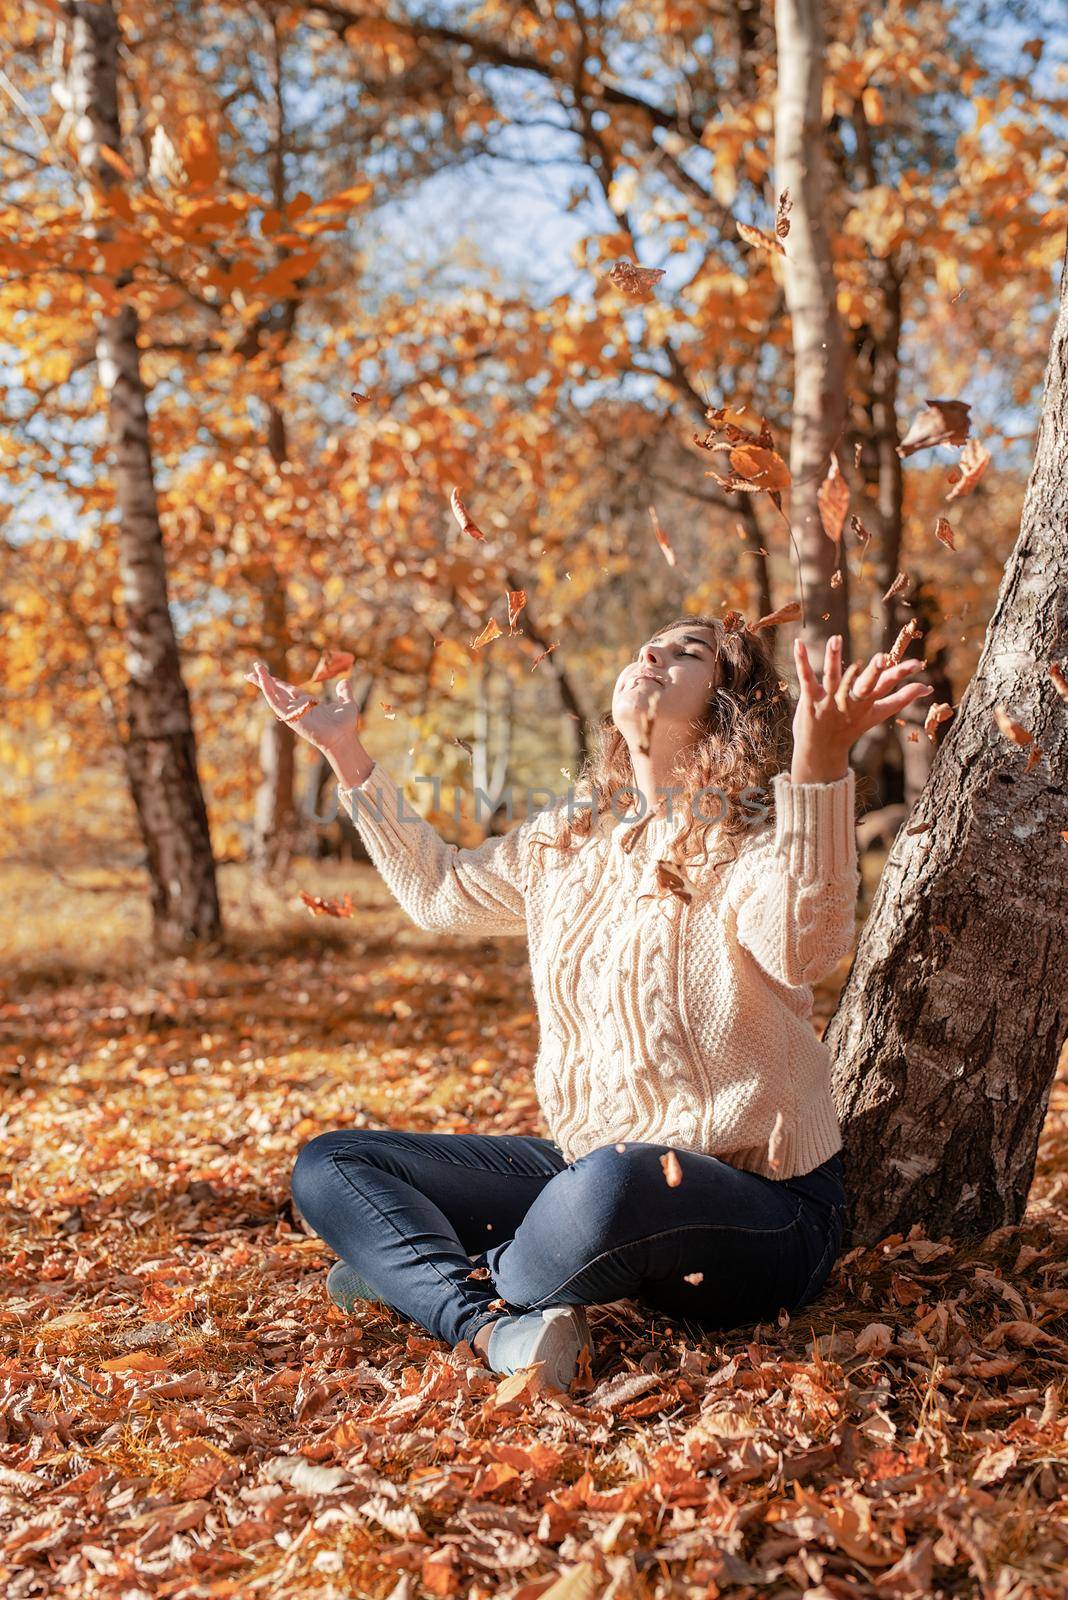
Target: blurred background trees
<point>421,204</point>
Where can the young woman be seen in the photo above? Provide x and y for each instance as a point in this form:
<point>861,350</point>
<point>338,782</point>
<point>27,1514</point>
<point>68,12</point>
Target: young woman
<point>693,1161</point>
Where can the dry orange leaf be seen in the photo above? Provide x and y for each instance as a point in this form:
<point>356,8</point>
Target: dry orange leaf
<point>492,630</point>
<point>760,239</point>
<point>1011,728</point>
<point>974,460</point>
<point>910,631</point>
<point>670,877</point>
<point>460,512</point>
<point>787,613</point>
<point>942,422</point>
<point>332,664</point>
<point>517,599</point>
<point>776,1140</point>
<point>636,283</point>
<point>546,652</point>
<point>936,714</point>
<point>672,1170</point>
<point>899,583</point>
<point>944,531</point>
<point>661,537</point>
<point>319,907</point>
<point>1060,682</point>
<point>833,500</point>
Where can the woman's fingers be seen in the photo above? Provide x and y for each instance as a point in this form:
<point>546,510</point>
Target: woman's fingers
<point>806,678</point>
<point>869,677</point>
<point>832,663</point>
<point>847,685</point>
<point>890,703</point>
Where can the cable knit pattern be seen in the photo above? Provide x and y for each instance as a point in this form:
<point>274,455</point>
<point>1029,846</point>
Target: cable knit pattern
<point>663,1021</point>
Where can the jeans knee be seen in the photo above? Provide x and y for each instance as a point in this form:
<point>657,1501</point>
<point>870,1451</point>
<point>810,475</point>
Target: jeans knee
<point>310,1172</point>
<point>602,1188</point>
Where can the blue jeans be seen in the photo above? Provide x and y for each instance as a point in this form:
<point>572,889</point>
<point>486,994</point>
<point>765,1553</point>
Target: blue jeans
<point>416,1213</point>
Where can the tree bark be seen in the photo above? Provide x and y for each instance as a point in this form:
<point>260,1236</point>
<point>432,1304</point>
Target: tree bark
<point>159,749</point>
<point>947,1034</point>
<point>809,287</point>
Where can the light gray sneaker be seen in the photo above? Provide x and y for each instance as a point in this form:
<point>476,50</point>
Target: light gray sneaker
<point>553,1336</point>
<point>346,1288</point>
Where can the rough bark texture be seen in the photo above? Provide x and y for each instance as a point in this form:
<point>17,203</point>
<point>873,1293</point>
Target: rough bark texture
<point>948,1031</point>
<point>809,286</point>
<point>158,748</point>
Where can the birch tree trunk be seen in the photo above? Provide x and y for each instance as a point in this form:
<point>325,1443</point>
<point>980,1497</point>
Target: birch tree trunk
<point>809,287</point>
<point>159,748</point>
<point>948,1031</point>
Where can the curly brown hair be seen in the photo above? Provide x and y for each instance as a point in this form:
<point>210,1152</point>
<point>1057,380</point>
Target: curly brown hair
<point>745,738</point>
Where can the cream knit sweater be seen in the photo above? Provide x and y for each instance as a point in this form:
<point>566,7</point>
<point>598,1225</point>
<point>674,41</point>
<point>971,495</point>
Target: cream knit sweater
<point>675,1023</point>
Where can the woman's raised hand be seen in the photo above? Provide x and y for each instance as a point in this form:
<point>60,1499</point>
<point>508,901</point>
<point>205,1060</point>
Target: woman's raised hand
<point>326,724</point>
<point>831,716</point>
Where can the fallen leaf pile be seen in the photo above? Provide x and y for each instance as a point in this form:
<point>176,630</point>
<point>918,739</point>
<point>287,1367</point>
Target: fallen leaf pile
<point>185,1414</point>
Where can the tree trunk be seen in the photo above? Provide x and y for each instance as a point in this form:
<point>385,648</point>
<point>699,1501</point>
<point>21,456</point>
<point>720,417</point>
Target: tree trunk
<point>947,1034</point>
<point>159,748</point>
<point>880,360</point>
<point>809,287</point>
<point>275,810</point>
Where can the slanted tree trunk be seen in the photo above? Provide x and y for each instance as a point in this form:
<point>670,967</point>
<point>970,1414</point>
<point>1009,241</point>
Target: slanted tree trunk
<point>809,287</point>
<point>159,749</point>
<point>948,1031</point>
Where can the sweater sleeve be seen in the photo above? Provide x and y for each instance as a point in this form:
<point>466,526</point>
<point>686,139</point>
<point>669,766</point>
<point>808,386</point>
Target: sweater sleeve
<point>795,891</point>
<point>443,887</point>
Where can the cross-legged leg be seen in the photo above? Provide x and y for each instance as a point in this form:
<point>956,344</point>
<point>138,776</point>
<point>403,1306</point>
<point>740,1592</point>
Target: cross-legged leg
<point>724,1247</point>
<point>409,1210</point>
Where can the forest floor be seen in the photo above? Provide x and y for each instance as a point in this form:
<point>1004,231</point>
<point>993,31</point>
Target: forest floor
<point>183,1413</point>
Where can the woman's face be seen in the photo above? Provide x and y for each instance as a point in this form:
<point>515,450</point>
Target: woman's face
<point>679,666</point>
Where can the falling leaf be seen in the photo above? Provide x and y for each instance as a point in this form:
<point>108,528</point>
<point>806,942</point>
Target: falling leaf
<point>319,907</point>
<point>388,711</point>
<point>910,631</point>
<point>943,422</point>
<point>646,720</point>
<point>544,653</point>
<point>1010,728</point>
<point>858,451</point>
<point>517,599</point>
<point>776,1140</point>
<point>944,531</point>
<point>492,630</point>
<point>759,468</point>
<point>782,214</point>
<point>859,530</point>
<point>332,664</point>
<point>899,583</point>
<point>693,1277</point>
<point>936,714</point>
<point>301,711</point>
<point>459,511</point>
<point>672,1170</point>
<point>918,827</point>
<point>670,877</point>
<point>760,239</point>
<point>1060,682</point>
<point>636,283</point>
<point>661,537</point>
<point>974,460</point>
<point>790,612</point>
<point>462,743</point>
<point>832,498</point>
<point>360,399</point>
<point>739,425</point>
